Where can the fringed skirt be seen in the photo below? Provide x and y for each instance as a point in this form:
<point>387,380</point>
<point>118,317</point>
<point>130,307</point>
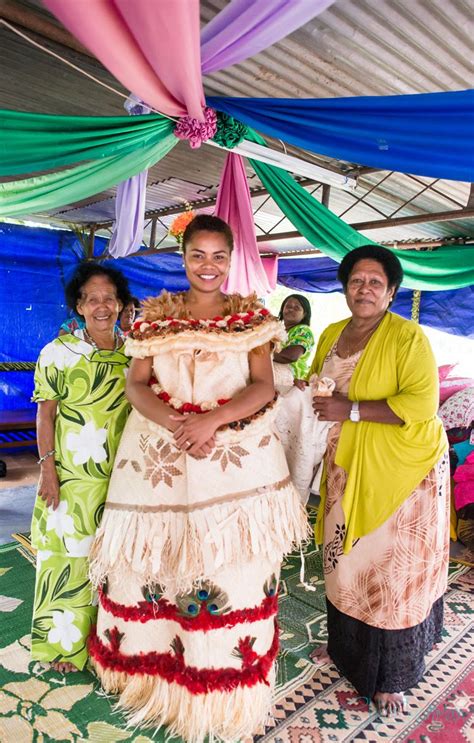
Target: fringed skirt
<point>187,559</point>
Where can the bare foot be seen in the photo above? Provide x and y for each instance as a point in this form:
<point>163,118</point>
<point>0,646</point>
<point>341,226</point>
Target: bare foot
<point>320,655</point>
<point>63,667</point>
<point>390,704</point>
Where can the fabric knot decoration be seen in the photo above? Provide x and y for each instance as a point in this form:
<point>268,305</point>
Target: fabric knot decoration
<point>195,131</point>
<point>230,132</point>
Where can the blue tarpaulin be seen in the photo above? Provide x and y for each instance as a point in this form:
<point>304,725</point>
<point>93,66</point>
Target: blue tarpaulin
<point>36,263</point>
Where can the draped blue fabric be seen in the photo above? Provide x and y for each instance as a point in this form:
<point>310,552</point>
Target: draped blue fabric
<point>449,311</point>
<point>36,263</point>
<point>426,134</point>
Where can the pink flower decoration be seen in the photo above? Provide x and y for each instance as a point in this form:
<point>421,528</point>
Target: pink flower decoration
<point>197,131</point>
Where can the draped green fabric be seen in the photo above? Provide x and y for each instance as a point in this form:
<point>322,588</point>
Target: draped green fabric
<point>68,186</point>
<point>32,142</point>
<point>442,268</point>
<point>121,146</point>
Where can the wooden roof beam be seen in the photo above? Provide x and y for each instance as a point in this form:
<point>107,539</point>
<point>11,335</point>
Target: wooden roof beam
<point>200,204</point>
<point>28,18</point>
<point>377,224</point>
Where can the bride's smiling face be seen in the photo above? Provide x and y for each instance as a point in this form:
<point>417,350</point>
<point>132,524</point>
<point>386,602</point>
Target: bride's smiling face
<point>207,260</point>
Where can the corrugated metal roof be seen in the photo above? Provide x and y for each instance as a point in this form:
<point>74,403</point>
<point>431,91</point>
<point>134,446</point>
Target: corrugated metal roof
<point>356,47</point>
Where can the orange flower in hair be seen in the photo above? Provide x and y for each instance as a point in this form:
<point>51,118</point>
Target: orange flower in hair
<point>178,225</point>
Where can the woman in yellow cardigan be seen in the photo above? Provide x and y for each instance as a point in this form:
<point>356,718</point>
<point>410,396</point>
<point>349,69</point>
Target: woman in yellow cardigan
<point>384,514</point>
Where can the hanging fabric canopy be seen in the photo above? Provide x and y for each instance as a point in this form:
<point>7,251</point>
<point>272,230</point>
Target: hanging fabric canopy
<point>234,205</point>
<point>130,202</point>
<point>168,75</point>
<point>68,186</point>
<point>156,51</point>
<point>445,268</point>
<point>426,134</point>
<point>138,42</point>
<point>127,233</point>
<point>245,27</point>
<point>30,142</point>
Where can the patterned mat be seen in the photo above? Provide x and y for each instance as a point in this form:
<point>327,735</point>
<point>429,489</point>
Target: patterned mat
<point>312,704</point>
<point>326,709</point>
<point>37,704</point>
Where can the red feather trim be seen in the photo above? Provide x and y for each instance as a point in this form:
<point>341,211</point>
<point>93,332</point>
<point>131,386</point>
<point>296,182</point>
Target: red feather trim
<point>171,667</point>
<point>145,611</point>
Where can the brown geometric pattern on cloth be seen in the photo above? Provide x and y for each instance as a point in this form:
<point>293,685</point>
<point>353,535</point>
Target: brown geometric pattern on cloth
<point>160,463</point>
<point>226,455</point>
<point>241,495</point>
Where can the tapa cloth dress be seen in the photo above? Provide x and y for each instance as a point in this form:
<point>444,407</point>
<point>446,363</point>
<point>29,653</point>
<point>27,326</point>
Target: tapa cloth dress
<point>89,387</point>
<point>188,553</point>
<point>385,597</point>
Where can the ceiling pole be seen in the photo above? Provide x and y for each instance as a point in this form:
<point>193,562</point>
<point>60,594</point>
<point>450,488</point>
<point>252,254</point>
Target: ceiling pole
<point>153,233</point>
<point>325,195</point>
<point>470,200</point>
<point>90,245</point>
<point>28,18</point>
<point>377,224</point>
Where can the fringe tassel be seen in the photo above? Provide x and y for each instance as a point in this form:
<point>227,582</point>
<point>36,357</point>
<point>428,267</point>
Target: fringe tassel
<point>178,549</point>
<point>226,717</point>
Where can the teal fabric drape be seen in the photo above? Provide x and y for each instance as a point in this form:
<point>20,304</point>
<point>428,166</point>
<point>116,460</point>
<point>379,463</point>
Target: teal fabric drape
<point>123,146</point>
<point>443,268</point>
<point>68,186</point>
<point>31,142</point>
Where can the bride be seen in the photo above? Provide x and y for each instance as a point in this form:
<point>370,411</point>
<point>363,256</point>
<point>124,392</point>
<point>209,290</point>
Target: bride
<point>200,512</point>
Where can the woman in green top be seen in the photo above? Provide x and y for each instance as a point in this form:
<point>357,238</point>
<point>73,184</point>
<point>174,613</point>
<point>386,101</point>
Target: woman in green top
<point>296,314</point>
<point>299,430</point>
<point>79,388</point>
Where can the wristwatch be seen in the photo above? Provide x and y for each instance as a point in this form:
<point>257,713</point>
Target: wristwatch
<point>354,415</point>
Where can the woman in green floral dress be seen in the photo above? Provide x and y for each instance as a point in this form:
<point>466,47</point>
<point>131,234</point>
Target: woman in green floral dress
<point>296,352</point>
<point>79,388</point>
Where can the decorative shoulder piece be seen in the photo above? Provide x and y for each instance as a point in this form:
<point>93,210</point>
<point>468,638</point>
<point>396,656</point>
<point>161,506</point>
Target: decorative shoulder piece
<point>235,322</point>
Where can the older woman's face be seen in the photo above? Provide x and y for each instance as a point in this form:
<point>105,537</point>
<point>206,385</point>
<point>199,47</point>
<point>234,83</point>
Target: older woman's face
<point>368,294</point>
<point>99,304</point>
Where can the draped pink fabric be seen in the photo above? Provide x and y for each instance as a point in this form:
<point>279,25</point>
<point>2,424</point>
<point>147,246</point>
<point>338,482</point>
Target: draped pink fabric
<point>270,265</point>
<point>234,205</point>
<point>153,48</point>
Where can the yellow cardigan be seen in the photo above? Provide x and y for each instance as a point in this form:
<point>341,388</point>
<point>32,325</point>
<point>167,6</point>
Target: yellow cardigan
<point>385,462</point>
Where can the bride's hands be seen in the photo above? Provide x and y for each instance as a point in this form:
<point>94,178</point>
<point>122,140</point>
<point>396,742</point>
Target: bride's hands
<point>194,433</point>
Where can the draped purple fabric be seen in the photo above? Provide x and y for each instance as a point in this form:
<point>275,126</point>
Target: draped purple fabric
<point>130,200</point>
<point>245,27</point>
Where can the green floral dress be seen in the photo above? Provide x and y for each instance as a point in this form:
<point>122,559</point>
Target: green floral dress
<point>92,410</point>
<point>301,335</point>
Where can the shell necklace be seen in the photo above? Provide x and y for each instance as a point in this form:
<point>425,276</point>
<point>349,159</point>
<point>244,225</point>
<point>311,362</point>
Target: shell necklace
<point>94,345</point>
